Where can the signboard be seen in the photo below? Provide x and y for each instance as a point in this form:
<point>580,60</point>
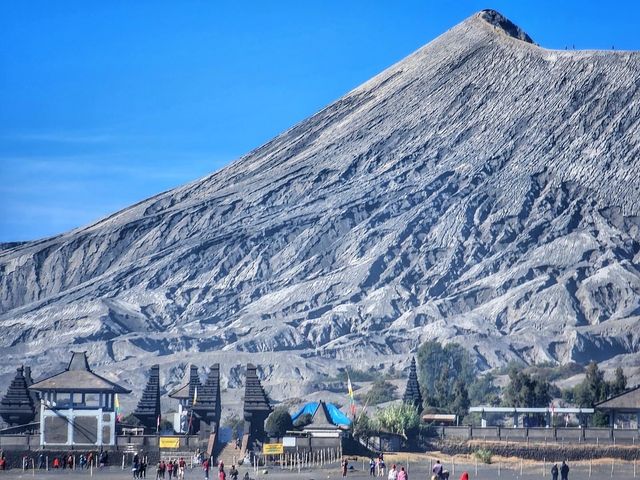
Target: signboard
<point>272,449</point>
<point>288,441</point>
<point>169,442</point>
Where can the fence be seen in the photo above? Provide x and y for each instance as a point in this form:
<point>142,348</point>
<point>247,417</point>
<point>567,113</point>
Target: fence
<point>605,436</point>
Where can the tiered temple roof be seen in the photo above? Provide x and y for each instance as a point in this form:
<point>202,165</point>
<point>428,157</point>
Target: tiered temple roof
<point>255,398</point>
<point>208,402</point>
<point>412,393</point>
<point>148,409</point>
<point>17,406</point>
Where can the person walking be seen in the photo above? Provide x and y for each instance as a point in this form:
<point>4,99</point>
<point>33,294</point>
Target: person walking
<point>437,469</point>
<point>205,467</point>
<point>233,472</point>
<point>372,468</point>
<point>402,474</point>
<point>344,466</point>
<point>564,471</point>
<point>182,465</point>
<point>393,473</point>
<point>554,472</point>
<point>464,476</point>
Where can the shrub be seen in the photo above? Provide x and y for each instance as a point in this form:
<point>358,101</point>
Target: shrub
<point>278,422</point>
<point>399,418</point>
<point>483,455</point>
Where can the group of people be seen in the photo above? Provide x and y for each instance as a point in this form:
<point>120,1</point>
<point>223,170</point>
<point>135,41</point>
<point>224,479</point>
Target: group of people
<point>222,475</point>
<point>139,467</point>
<point>377,469</point>
<point>171,468</point>
<point>69,461</point>
<point>377,466</point>
<point>564,471</point>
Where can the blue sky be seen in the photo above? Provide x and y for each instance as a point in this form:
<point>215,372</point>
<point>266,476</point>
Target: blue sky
<point>105,103</point>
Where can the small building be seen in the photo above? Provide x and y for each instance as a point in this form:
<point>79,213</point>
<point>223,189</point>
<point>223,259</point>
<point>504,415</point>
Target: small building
<point>186,394</point>
<point>440,418</point>
<point>77,406</point>
<point>623,408</point>
<point>328,426</point>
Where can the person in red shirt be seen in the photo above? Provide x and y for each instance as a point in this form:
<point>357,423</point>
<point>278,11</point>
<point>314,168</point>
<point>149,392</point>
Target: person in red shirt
<point>205,467</point>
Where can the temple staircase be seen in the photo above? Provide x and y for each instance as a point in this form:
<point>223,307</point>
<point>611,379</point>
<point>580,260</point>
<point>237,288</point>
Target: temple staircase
<point>229,455</point>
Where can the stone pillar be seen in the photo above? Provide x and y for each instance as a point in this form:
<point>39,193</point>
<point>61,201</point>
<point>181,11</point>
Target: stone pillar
<point>612,418</point>
<point>42,423</point>
<point>70,420</point>
<point>99,439</point>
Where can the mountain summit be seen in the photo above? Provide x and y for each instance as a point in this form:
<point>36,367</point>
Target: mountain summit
<point>482,191</point>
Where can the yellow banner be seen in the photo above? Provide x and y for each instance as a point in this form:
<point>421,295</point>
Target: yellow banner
<point>272,448</point>
<point>169,442</point>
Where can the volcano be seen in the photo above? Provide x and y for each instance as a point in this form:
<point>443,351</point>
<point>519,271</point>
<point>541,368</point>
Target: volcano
<point>483,191</point>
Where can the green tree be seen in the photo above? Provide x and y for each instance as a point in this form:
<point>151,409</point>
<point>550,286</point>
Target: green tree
<point>460,402</point>
<point>362,427</point>
<point>619,384</point>
<point>439,368</point>
<point>525,390</point>
<point>399,418</point>
<point>278,423</point>
<point>593,388</point>
<point>483,391</point>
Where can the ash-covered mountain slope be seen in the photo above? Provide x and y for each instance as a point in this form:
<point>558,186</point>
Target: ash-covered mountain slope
<point>483,190</point>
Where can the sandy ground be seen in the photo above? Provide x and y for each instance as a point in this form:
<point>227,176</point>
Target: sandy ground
<point>418,468</point>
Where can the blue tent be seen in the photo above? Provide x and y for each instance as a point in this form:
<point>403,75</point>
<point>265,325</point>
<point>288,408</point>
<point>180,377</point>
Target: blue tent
<point>337,417</point>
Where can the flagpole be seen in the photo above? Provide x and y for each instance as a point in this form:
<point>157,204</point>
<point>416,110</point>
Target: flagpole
<point>350,393</point>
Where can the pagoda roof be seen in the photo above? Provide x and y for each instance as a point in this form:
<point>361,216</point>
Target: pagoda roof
<point>18,406</point>
<point>78,377</point>
<point>149,404</point>
<point>412,393</point>
<point>627,400</point>
<point>255,398</point>
<point>209,393</point>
